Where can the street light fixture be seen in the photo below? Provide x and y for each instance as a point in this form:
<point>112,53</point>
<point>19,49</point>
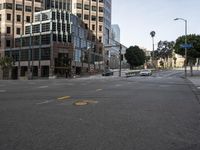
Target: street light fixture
<point>185,64</point>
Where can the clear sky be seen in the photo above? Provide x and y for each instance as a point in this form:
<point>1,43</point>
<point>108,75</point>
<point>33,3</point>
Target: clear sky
<point>137,18</point>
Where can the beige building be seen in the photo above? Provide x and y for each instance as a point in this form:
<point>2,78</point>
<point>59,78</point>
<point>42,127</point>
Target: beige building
<point>13,16</point>
<point>16,15</point>
<point>97,17</point>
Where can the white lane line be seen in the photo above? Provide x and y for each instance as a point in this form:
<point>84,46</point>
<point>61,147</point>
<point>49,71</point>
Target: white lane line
<point>164,86</point>
<point>97,90</point>
<point>2,91</point>
<point>43,87</point>
<point>32,83</point>
<point>45,102</point>
<point>198,87</point>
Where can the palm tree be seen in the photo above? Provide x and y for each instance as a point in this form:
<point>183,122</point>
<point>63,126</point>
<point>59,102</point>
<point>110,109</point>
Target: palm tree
<point>153,33</point>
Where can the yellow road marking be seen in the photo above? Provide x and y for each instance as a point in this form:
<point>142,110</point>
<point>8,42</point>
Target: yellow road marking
<point>64,97</point>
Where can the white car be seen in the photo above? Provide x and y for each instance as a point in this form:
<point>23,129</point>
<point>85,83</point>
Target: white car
<point>145,72</point>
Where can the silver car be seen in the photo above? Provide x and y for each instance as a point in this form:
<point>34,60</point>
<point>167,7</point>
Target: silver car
<point>145,72</point>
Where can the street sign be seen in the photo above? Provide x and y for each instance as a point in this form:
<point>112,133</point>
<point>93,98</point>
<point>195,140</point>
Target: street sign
<point>186,45</point>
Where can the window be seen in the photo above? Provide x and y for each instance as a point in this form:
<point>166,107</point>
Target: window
<point>93,38</point>
<point>79,15</point>
<point>18,18</point>
<point>54,26</point>
<point>28,19</point>
<point>100,28</point>
<point>28,9</point>
<point>100,19</point>
<point>36,28</point>
<point>37,9</point>
<point>45,39</point>
<point>53,16</point>
<point>45,54</point>
<point>79,6</point>
<point>86,17</point>
<point>86,7</point>
<point>44,17</point>
<point>19,7</point>
<point>86,26</point>
<point>27,29</point>
<point>7,43</point>
<point>8,29</point>
<point>45,27</point>
<point>18,31</point>
<point>94,8</point>
<point>93,27</point>
<point>100,39</point>
<point>7,6</point>
<point>24,55</point>
<point>100,9</point>
<point>8,17</point>
<point>93,18</point>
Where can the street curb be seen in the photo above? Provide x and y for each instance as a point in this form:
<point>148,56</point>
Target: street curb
<point>194,89</point>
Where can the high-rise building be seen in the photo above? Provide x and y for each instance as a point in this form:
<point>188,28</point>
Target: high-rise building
<point>13,16</point>
<point>107,21</point>
<point>28,36</point>
<point>58,4</point>
<point>54,44</point>
<point>96,15</point>
<point>116,32</point>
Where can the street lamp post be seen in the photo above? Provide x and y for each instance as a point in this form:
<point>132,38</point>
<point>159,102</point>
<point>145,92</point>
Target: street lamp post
<point>185,64</point>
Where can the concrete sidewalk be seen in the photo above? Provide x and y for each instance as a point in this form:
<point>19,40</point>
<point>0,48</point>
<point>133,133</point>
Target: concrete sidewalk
<point>196,78</point>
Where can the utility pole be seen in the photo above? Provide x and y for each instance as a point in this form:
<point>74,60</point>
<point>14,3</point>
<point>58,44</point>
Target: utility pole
<point>185,64</point>
<point>120,60</point>
<point>120,55</point>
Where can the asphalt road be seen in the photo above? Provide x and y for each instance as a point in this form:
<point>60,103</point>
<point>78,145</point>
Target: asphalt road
<point>160,112</point>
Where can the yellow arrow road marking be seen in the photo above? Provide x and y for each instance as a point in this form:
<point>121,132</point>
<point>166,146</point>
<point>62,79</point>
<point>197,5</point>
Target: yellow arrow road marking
<point>64,97</point>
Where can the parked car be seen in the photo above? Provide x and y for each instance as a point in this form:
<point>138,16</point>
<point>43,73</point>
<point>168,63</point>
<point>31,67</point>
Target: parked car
<point>107,72</point>
<point>145,72</point>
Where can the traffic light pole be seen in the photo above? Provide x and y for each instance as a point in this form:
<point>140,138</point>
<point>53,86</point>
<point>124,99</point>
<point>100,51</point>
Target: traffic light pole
<point>120,60</point>
<point>120,56</point>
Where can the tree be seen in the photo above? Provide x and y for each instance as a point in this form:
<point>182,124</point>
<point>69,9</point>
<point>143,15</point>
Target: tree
<point>135,56</point>
<point>6,63</point>
<point>165,50</point>
<point>193,52</point>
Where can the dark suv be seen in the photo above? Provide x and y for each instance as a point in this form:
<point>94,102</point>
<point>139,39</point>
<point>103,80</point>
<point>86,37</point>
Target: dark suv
<point>107,73</point>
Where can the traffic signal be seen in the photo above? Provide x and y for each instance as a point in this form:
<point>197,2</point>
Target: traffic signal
<point>121,57</point>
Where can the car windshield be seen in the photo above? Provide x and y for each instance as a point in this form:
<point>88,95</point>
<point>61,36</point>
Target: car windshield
<point>145,70</point>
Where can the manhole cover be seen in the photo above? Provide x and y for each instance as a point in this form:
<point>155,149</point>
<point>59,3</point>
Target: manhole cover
<point>84,102</point>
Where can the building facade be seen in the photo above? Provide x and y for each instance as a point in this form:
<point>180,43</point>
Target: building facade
<point>55,44</point>
<point>13,16</point>
<point>34,31</point>
<point>115,34</point>
<point>114,51</point>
